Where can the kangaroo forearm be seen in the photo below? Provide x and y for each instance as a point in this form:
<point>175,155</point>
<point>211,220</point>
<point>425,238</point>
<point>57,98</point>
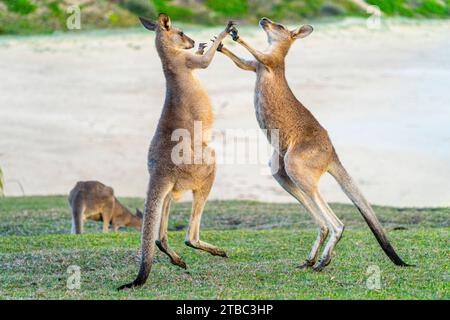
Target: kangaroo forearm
<point>261,57</point>
<point>240,62</point>
<point>197,61</point>
<point>209,55</point>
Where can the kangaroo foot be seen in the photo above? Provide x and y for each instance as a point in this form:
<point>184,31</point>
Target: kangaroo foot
<point>173,256</point>
<point>179,262</point>
<point>200,245</point>
<point>218,252</point>
<point>322,264</point>
<point>307,264</point>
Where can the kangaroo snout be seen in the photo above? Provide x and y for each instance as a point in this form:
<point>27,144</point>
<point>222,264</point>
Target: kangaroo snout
<point>264,22</point>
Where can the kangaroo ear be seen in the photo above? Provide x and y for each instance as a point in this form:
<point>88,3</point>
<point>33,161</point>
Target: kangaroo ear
<point>139,213</point>
<point>150,25</point>
<point>302,32</point>
<point>164,21</point>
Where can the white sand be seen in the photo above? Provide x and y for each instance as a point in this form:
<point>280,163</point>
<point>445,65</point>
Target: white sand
<point>77,107</point>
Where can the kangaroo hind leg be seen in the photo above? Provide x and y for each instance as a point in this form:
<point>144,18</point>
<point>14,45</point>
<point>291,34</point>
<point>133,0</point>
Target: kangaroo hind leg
<point>282,177</point>
<point>305,170</point>
<point>77,218</point>
<point>193,233</point>
<point>158,189</point>
<point>337,228</point>
<point>162,241</point>
<point>107,214</point>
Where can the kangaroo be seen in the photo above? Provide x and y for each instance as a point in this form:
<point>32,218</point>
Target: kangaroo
<point>186,105</point>
<point>304,151</point>
<point>94,201</point>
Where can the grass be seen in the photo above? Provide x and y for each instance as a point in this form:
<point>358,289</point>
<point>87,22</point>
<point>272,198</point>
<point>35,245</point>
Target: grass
<point>264,242</point>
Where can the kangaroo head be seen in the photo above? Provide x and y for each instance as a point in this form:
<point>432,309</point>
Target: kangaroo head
<point>134,220</point>
<point>280,37</point>
<point>166,34</point>
<point>139,213</point>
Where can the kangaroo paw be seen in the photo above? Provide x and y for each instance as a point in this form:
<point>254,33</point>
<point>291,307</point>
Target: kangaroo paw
<point>219,48</point>
<point>230,26</point>
<point>201,48</point>
<point>234,34</point>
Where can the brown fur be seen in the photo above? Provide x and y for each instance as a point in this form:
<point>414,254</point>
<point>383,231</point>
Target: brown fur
<point>305,151</point>
<point>92,200</point>
<point>186,102</point>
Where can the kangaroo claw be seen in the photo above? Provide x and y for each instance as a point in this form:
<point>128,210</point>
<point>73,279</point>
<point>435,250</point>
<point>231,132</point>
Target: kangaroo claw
<point>234,34</point>
<point>230,26</point>
<point>219,48</point>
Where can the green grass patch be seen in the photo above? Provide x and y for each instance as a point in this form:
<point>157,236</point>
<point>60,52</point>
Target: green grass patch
<point>265,242</point>
<point>51,215</point>
<point>261,265</point>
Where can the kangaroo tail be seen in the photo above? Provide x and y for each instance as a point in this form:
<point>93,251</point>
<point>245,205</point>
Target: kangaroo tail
<point>152,218</point>
<point>351,190</point>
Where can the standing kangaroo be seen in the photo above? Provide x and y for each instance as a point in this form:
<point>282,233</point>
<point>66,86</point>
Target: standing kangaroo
<point>186,103</point>
<point>94,201</point>
<point>304,152</point>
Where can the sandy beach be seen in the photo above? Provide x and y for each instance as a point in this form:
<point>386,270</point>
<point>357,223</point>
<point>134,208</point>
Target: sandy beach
<point>85,106</point>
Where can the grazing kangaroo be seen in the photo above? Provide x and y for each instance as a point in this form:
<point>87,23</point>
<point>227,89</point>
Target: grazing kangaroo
<point>94,201</point>
<point>304,151</point>
<point>186,105</point>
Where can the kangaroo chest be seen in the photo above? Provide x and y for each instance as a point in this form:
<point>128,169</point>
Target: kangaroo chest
<point>271,109</point>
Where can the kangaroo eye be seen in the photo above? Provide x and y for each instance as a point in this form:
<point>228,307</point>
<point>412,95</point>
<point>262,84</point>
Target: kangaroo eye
<point>181,34</point>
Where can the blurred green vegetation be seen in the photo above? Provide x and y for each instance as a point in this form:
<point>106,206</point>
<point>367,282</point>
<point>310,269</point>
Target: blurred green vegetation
<point>46,16</point>
<point>414,8</point>
<point>1,183</point>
